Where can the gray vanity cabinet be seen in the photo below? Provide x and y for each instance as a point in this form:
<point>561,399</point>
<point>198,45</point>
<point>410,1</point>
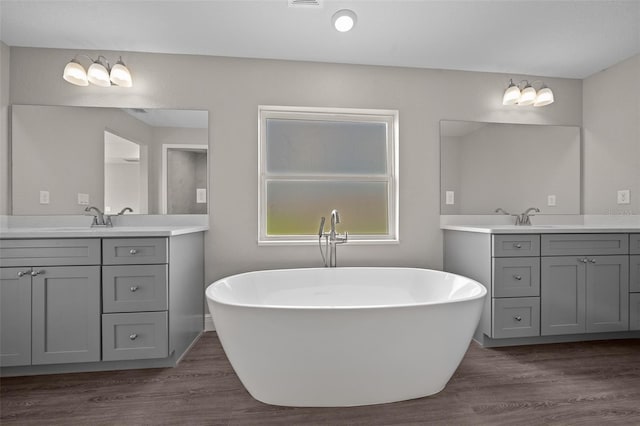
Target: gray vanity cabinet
<point>50,313</point>
<point>15,317</point>
<point>586,291</point>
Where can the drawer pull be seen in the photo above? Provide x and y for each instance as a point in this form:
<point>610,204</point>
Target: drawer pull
<point>133,336</point>
<point>517,245</point>
<point>592,260</point>
<point>517,277</point>
<point>22,273</point>
<point>583,260</point>
<point>517,318</point>
<point>133,251</point>
<point>134,288</point>
<point>36,273</point>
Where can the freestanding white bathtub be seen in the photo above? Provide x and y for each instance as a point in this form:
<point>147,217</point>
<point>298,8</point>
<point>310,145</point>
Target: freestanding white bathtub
<point>331,337</point>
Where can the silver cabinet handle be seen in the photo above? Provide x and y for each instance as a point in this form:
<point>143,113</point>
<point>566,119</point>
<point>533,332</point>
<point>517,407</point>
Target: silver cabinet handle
<point>583,260</point>
<point>134,288</point>
<point>22,273</point>
<point>36,273</point>
<point>517,318</point>
<point>517,277</point>
<point>133,251</point>
<point>592,260</point>
<point>133,336</point>
<point>518,245</point>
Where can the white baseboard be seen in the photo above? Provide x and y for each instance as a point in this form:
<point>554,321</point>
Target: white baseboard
<point>208,323</point>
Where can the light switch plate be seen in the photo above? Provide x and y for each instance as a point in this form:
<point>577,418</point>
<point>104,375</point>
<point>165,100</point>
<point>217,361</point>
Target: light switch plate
<point>551,200</point>
<point>624,196</point>
<point>83,199</point>
<point>201,195</point>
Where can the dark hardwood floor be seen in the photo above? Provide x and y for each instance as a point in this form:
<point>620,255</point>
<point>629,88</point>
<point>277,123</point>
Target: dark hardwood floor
<point>574,383</point>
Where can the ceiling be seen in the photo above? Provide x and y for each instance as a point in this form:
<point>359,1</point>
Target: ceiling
<point>561,38</point>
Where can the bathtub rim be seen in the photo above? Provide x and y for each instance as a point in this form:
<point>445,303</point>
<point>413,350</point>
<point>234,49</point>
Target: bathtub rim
<point>481,295</point>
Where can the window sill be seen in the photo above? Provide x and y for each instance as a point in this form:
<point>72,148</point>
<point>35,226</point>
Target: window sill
<point>355,242</point>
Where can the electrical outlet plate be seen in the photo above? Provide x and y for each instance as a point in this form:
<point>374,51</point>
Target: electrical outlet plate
<point>551,200</point>
<point>624,196</point>
<point>450,197</point>
<point>44,197</point>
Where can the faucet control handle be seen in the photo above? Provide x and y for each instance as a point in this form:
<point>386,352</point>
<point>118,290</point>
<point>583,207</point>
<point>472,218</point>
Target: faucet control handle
<point>321,229</point>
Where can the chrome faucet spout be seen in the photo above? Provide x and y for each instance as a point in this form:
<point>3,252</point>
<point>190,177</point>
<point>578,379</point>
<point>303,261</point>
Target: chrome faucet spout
<point>124,210</point>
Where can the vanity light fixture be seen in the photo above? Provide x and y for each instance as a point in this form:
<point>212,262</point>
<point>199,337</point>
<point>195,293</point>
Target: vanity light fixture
<point>100,73</point>
<point>344,20</point>
<point>524,93</point>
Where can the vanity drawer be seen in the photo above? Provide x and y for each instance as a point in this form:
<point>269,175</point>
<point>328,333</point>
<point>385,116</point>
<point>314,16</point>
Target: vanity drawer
<point>634,273</point>
<point>134,288</point>
<point>50,252</point>
<point>584,244</point>
<point>516,276</point>
<point>634,311</point>
<point>634,244</point>
<point>516,317</point>
<point>128,251</point>
<point>135,336</point>
<point>516,245</point>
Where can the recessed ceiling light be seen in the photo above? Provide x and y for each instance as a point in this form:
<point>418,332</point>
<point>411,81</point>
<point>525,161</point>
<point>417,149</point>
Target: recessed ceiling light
<point>344,20</point>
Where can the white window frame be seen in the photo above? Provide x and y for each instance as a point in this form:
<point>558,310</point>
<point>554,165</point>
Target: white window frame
<point>389,117</point>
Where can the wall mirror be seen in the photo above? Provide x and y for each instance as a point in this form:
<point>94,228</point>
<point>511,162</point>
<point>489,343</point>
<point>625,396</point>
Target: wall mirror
<point>64,159</point>
<point>484,166</point>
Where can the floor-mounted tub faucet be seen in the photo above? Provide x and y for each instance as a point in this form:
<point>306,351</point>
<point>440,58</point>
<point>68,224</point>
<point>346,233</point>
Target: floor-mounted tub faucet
<point>332,239</point>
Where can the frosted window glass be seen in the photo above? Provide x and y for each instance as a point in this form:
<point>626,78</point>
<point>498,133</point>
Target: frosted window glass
<point>295,207</point>
<point>325,147</point>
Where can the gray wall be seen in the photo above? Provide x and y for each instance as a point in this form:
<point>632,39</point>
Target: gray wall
<point>612,138</point>
<point>232,89</point>
<point>5,170</point>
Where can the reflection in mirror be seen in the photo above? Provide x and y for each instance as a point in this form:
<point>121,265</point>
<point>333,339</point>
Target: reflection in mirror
<point>110,158</point>
<point>512,166</point>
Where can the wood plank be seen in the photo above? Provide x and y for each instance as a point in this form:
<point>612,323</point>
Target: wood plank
<point>568,383</point>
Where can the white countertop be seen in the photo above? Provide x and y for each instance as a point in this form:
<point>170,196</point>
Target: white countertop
<point>88,232</point>
<point>543,229</point>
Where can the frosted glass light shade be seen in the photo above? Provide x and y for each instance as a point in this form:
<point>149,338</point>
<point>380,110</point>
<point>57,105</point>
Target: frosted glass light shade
<point>74,73</point>
<point>344,20</point>
<point>98,75</point>
<point>120,75</point>
<point>511,95</point>
<point>527,96</point>
<point>544,97</point>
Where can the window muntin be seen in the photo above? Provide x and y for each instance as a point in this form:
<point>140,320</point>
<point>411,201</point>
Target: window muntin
<point>315,160</point>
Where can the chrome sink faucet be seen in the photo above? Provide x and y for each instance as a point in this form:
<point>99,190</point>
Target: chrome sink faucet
<point>525,218</point>
<point>99,218</point>
<point>332,239</point>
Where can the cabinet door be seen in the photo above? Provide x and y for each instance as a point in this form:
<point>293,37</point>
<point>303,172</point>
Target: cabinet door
<point>66,314</point>
<point>607,293</point>
<point>562,295</point>
<point>15,316</point>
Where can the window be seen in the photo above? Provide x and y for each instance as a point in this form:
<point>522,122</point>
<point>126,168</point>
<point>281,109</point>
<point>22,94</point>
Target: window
<point>313,160</point>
